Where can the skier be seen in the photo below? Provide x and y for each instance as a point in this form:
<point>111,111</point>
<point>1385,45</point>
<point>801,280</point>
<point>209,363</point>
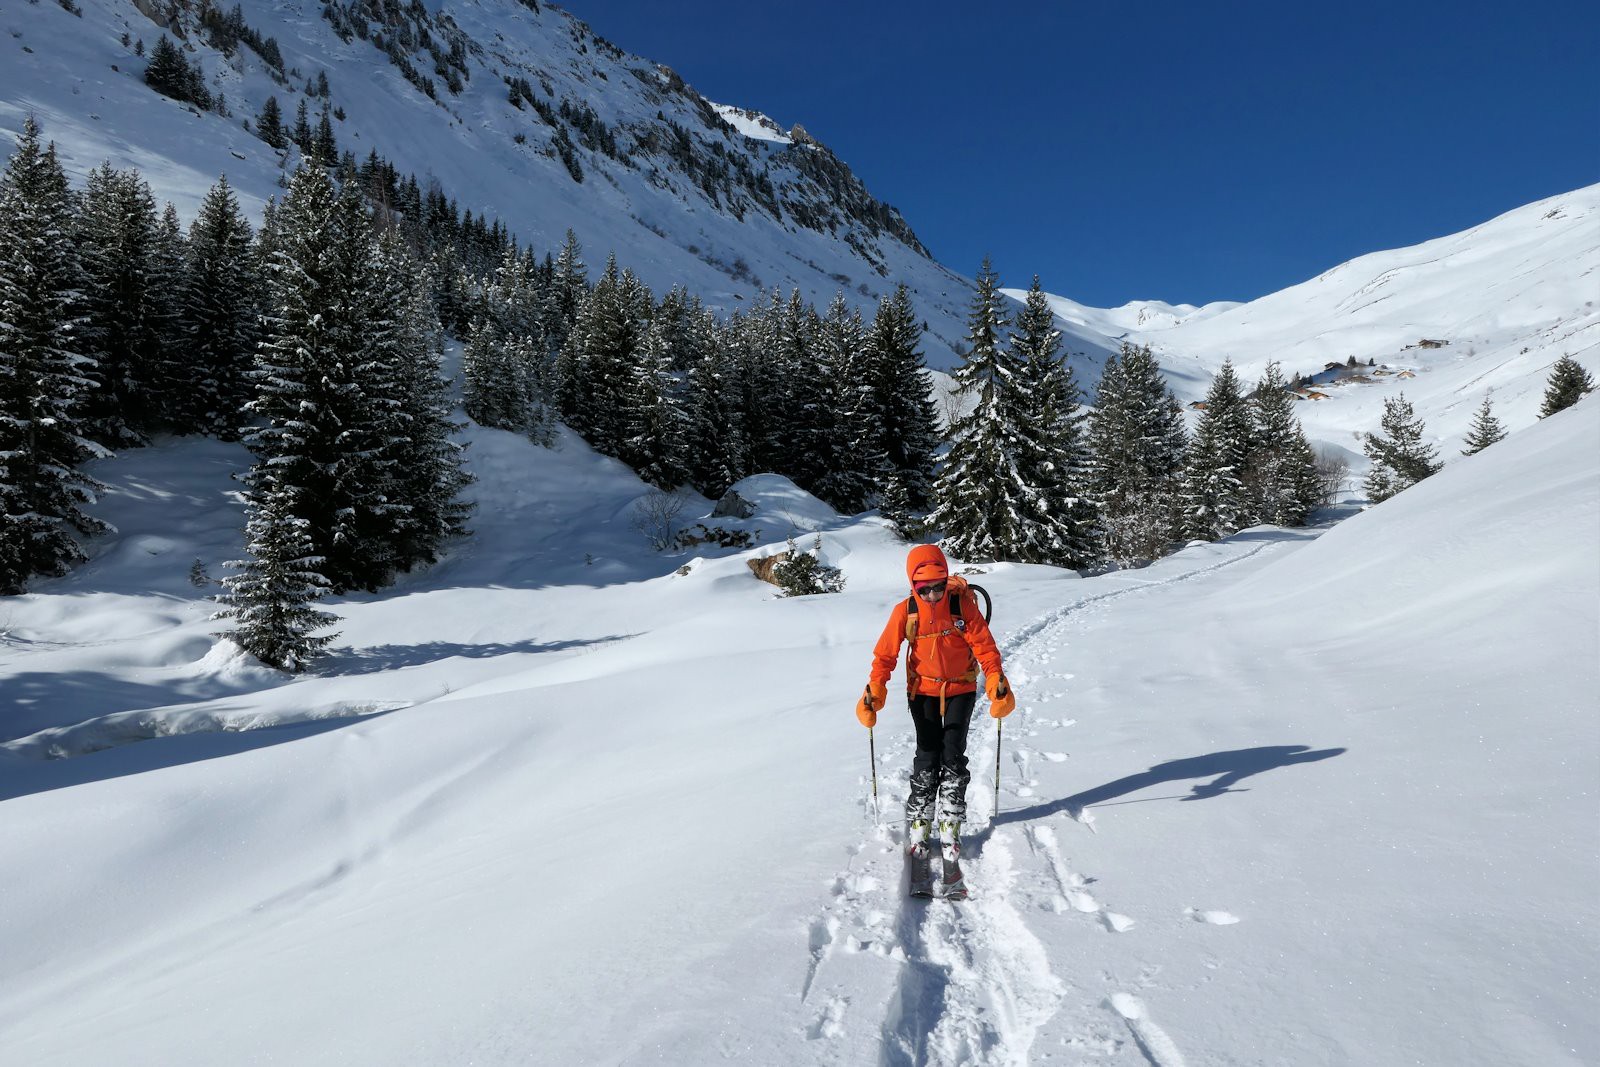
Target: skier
<point>949,642</point>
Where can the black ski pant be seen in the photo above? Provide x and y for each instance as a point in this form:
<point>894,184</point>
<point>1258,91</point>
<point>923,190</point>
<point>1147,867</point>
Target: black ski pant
<point>939,770</point>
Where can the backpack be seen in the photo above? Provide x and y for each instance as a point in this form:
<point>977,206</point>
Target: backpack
<point>957,594</point>
<point>955,605</point>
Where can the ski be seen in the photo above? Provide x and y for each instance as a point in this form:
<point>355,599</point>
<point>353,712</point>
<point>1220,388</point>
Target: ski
<point>919,865</point>
<point>954,884</point>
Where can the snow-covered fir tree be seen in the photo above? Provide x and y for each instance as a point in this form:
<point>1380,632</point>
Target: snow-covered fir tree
<point>1486,430</point>
<point>173,369</point>
<point>501,381</point>
<point>271,597</point>
<point>221,305</point>
<point>846,437</point>
<point>604,341</point>
<point>1216,499</point>
<point>1281,474</point>
<point>719,447</point>
<point>765,374</point>
<point>1568,384</point>
<point>1138,445</point>
<point>44,376</point>
<point>654,440</point>
<point>1052,434</point>
<point>675,318</point>
<point>899,409</point>
<point>569,288</point>
<point>406,350</point>
<point>1400,457</point>
<point>991,504</point>
<point>799,428</point>
<point>130,317</point>
<point>322,433</point>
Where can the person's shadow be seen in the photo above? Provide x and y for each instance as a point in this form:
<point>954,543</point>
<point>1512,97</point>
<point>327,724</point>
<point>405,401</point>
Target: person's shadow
<point>1225,769</point>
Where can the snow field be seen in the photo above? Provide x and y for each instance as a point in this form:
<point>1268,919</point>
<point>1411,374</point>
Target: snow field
<point>1294,797</point>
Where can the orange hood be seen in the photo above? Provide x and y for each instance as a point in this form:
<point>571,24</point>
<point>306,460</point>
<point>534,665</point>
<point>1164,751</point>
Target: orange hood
<point>926,563</point>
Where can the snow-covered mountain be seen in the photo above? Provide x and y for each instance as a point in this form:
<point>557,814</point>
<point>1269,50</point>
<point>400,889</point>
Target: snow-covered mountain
<point>516,108</point>
<point>1446,321</point>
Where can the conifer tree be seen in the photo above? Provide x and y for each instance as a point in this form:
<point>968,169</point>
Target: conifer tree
<point>502,387</point>
<point>1400,458</point>
<point>653,420</point>
<point>1053,456</point>
<point>221,305</point>
<point>173,372</point>
<point>168,71</point>
<point>301,134</point>
<point>119,235</point>
<point>1282,470</point>
<point>569,289</point>
<point>406,350</point>
<point>269,125</point>
<point>44,377</point>
<point>988,505</point>
<point>323,144</point>
<point>799,426</point>
<point>1216,500</point>
<point>322,434</point>
<point>899,407</point>
<point>765,375</point>
<point>1138,446</point>
<point>1486,429</point>
<point>717,449</point>
<point>271,597</point>
<point>605,339</point>
<point>1569,383</point>
<point>848,461</point>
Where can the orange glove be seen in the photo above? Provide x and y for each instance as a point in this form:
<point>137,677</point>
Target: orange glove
<point>1002,701</point>
<point>871,700</point>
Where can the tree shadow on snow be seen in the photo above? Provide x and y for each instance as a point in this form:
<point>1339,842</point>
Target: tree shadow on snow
<point>22,777</point>
<point>1224,769</point>
<point>374,658</point>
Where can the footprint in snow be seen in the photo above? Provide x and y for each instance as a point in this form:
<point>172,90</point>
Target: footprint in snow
<point>1214,918</point>
<point>829,1022</point>
<point>1054,757</point>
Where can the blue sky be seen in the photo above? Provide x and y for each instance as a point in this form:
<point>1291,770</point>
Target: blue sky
<point>1176,151</point>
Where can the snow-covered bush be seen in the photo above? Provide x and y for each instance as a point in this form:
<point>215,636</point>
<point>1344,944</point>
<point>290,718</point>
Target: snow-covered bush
<point>804,573</point>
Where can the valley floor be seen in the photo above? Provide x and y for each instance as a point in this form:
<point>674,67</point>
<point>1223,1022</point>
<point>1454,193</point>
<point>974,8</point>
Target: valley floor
<point>1302,797</point>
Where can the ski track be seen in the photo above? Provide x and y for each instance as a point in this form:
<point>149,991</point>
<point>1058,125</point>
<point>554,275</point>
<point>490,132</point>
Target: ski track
<point>972,983</point>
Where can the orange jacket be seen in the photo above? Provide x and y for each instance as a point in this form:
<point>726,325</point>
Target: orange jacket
<point>944,657</point>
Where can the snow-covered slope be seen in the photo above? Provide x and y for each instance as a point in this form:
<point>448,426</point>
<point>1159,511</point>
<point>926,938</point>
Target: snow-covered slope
<point>1300,797</point>
<point>682,190</point>
<point>1446,321</point>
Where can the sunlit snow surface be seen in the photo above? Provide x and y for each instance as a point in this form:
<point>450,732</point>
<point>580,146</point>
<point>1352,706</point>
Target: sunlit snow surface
<point>1300,797</point>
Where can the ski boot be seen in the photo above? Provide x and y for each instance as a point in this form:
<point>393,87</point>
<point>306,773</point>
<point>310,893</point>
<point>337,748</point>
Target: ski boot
<point>917,858</point>
<point>955,884</point>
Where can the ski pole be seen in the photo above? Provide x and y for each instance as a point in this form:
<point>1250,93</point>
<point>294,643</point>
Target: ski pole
<point>999,724</point>
<point>872,752</point>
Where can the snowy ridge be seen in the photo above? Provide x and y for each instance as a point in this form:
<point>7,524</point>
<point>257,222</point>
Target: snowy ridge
<point>753,124</point>
<point>680,194</point>
<point>1447,322</point>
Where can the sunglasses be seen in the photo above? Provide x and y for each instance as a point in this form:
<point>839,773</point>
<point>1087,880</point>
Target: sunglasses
<point>928,591</point>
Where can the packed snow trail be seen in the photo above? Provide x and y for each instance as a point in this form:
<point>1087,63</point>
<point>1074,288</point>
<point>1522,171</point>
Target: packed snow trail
<point>974,982</point>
